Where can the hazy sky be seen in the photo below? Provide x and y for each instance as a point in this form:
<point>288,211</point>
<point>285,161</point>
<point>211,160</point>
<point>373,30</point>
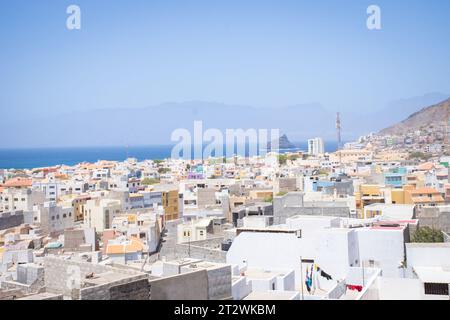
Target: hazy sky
<point>134,53</point>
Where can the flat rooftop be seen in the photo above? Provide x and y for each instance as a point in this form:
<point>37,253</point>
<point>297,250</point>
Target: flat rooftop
<point>40,296</point>
<point>433,274</point>
<point>262,274</point>
<point>272,295</point>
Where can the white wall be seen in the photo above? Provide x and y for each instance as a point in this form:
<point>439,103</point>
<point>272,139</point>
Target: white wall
<point>385,247</point>
<point>241,288</point>
<point>431,255</point>
<point>281,251</point>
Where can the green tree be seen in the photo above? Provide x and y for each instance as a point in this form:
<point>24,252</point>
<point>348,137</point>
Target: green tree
<point>282,158</point>
<point>427,235</point>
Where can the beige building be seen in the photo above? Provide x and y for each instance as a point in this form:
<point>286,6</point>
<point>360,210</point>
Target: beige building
<point>351,155</point>
<point>99,213</point>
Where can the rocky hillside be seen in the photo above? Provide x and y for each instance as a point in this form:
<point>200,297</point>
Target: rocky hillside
<point>434,116</point>
<point>283,143</point>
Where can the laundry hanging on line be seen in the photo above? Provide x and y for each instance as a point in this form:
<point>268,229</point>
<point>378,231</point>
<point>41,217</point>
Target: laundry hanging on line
<point>308,280</point>
<point>324,274</point>
<point>354,287</point>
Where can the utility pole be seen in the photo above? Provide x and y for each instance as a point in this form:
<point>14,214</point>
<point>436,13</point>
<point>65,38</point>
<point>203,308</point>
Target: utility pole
<point>301,276</point>
<point>189,245</point>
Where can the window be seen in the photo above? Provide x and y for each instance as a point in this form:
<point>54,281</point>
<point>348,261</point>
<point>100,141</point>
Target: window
<point>64,215</point>
<point>440,289</point>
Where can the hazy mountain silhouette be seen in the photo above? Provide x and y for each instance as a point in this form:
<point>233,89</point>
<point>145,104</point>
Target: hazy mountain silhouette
<point>154,125</point>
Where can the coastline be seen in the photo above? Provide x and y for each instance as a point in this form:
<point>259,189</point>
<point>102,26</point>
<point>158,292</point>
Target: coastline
<point>29,158</point>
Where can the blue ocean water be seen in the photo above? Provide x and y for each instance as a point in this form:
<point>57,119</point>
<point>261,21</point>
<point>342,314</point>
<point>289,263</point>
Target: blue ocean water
<point>44,157</point>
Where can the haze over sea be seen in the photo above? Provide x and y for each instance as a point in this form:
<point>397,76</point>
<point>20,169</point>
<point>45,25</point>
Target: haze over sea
<point>45,157</point>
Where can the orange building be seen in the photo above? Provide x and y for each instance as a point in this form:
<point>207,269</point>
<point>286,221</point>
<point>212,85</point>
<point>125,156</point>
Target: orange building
<point>424,196</point>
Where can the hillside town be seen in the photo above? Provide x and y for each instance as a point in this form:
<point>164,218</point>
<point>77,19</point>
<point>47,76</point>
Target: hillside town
<point>367,222</point>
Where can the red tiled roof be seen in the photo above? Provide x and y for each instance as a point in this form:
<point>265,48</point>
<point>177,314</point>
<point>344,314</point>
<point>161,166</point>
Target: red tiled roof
<point>426,166</point>
<point>18,182</point>
<point>424,191</point>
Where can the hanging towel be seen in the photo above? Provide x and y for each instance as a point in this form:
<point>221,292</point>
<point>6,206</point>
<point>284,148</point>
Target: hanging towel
<point>325,275</point>
<point>308,280</point>
<point>353,287</point>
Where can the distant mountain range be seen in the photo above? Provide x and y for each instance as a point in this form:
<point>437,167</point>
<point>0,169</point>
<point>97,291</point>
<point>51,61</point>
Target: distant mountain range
<point>435,116</point>
<point>155,124</point>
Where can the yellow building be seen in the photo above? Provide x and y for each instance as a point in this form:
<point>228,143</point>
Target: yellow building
<point>368,194</point>
<point>398,196</point>
<point>170,204</point>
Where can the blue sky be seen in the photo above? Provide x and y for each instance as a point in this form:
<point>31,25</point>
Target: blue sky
<point>136,53</point>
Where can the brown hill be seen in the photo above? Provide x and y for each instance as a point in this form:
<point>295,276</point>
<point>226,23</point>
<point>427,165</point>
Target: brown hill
<point>433,116</point>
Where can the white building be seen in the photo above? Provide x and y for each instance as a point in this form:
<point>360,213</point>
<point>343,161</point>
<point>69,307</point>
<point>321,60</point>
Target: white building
<point>316,146</point>
<point>53,218</point>
<point>194,230</point>
<point>20,199</point>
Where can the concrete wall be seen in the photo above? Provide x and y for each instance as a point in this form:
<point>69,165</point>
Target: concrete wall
<point>73,239</point>
<point>435,217</point>
<point>11,219</point>
<point>30,274</point>
<point>59,272</point>
<point>206,197</point>
<point>219,283</point>
<point>186,286</point>
<point>337,290</point>
<point>132,288</point>
<point>292,204</point>
<point>205,250</point>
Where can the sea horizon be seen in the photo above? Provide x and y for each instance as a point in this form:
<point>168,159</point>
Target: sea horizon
<point>39,157</point>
